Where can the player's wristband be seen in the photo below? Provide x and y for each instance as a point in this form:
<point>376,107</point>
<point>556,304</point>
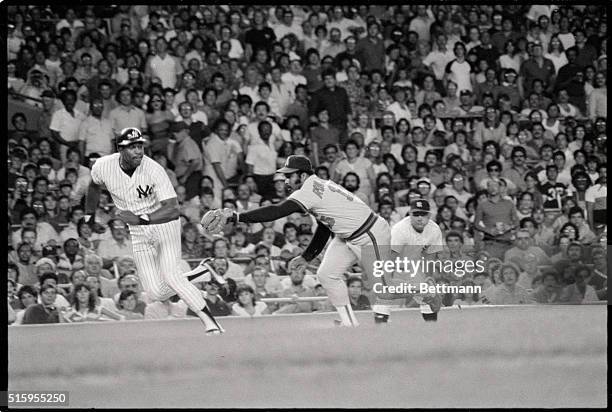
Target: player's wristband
<point>144,219</point>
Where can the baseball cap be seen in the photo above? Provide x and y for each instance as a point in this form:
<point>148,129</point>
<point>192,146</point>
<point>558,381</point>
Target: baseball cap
<point>419,205</point>
<point>279,176</point>
<point>65,183</point>
<point>178,126</point>
<point>130,136</point>
<point>296,163</point>
<point>424,180</point>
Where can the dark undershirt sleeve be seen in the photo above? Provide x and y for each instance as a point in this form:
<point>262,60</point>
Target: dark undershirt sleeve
<point>272,212</point>
<point>318,242</point>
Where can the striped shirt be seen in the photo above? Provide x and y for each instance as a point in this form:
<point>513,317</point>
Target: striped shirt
<point>142,192</point>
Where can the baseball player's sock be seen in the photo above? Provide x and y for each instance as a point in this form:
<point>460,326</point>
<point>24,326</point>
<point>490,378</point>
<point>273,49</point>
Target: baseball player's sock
<point>347,316</point>
<point>209,320</point>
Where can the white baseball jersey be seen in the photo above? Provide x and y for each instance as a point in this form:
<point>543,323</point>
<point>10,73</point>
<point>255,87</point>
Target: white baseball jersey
<point>142,192</point>
<point>403,236</point>
<point>156,247</point>
<point>331,204</point>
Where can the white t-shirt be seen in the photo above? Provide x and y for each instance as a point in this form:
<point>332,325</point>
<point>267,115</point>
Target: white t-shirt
<point>141,193</point>
<point>460,74</point>
<point>67,125</point>
<point>331,204</point>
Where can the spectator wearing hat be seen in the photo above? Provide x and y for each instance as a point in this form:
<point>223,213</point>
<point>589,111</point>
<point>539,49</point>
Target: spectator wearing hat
<point>95,132</point>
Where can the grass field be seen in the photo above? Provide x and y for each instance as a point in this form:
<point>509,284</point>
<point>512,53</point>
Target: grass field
<point>546,356</point>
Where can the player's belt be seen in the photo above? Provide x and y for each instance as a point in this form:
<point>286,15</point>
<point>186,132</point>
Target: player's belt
<point>365,227</point>
<point>161,222</point>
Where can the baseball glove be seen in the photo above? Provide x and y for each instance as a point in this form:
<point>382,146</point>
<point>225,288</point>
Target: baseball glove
<point>214,221</point>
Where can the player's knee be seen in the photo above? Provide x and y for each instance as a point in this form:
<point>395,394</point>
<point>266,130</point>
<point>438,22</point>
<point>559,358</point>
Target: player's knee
<point>327,278</point>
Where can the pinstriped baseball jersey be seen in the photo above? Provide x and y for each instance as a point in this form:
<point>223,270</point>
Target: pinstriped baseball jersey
<point>142,192</point>
<point>334,206</point>
<point>156,247</point>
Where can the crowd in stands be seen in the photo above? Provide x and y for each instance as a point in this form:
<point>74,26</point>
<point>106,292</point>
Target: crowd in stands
<point>495,114</point>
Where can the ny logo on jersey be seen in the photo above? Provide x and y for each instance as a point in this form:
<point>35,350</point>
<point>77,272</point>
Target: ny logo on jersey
<point>144,192</point>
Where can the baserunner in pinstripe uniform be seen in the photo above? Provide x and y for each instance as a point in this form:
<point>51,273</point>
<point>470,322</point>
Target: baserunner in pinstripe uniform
<point>147,202</point>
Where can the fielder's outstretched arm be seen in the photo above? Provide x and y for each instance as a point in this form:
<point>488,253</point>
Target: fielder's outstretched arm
<point>317,243</point>
<point>268,213</point>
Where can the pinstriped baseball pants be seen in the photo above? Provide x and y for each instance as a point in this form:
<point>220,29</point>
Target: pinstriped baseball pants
<point>157,253</point>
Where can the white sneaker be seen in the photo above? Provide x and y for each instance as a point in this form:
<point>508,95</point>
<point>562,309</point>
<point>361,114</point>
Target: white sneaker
<point>204,272</point>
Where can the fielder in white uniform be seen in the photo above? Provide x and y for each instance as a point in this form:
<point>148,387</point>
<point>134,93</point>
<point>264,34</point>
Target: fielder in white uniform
<point>355,226</point>
<point>147,202</point>
<point>415,237</point>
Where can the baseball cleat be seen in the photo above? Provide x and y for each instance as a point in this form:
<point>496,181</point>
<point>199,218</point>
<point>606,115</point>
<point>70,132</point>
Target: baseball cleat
<point>204,273</point>
<point>430,317</point>
<point>381,318</point>
<point>215,331</point>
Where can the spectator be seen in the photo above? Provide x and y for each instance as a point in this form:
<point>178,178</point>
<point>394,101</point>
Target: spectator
<point>295,290</point>
<point>127,305</point>
<point>579,291</point>
<point>66,122</point>
<point>247,305</point>
<point>95,132</point>
<point>549,291</point>
<point>126,114</point>
<point>509,292</point>
<point>335,100</point>
<point>117,245</point>
<point>358,300</point>
<point>84,307</point>
<point>44,312</point>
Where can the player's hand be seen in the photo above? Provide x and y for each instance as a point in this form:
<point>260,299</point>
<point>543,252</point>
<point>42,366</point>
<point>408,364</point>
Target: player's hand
<point>296,263</point>
<point>127,217</point>
<point>214,221</point>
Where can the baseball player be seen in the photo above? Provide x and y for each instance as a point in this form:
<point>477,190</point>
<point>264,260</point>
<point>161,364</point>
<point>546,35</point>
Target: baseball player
<point>414,237</point>
<point>355,226</point>
<point>147,202</point>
